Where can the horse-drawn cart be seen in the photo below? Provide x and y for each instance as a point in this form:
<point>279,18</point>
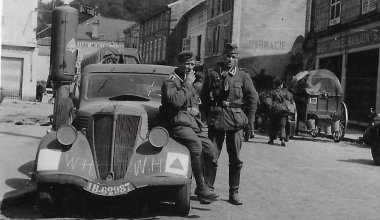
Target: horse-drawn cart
<point>319,99</point>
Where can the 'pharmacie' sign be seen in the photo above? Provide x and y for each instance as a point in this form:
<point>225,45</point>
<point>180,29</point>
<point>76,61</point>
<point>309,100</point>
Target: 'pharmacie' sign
<point>344,40</point>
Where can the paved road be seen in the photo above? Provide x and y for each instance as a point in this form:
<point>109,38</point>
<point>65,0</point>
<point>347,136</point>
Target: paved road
<point>308,179</point>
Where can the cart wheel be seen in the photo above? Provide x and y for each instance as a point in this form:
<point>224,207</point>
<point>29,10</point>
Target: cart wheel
<point>375,151</point>
<point>182,200</point>
<point>343,122</point>
<point>336,135</point>
<point>296,132</point>
<point>313,132</point>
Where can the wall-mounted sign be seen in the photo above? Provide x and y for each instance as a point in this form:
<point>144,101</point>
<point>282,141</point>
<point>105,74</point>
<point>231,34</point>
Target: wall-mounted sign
<point>87,10</point>
<point>343,41</point>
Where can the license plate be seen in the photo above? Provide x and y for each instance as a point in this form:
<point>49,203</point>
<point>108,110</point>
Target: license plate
<point>108,190</point>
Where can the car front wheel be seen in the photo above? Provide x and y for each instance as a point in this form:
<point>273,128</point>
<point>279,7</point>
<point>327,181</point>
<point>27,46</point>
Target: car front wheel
<point>47,201</point>
<point>182,200</point>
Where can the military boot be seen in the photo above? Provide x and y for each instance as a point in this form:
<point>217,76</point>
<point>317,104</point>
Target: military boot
<point>202,190</point>
<point>234,182</point>
<point>210,169</point>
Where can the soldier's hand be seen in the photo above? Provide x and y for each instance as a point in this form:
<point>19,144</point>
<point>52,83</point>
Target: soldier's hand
<point>190,77</point>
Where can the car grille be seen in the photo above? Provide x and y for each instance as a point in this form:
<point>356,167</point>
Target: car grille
<point>100,135</point>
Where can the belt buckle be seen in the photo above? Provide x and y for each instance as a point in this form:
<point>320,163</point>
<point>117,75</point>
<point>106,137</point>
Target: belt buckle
<point>226,103</point>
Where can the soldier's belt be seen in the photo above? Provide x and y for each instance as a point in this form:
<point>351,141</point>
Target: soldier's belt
<point>227,104</point>
<point>192,110</point>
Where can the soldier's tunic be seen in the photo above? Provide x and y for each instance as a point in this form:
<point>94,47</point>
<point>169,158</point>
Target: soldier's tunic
<point>223,95</point>
<point>179,107</point>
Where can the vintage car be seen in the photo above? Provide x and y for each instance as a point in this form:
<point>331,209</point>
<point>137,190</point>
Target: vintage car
<point>114,145</point>
<point>371,136</point>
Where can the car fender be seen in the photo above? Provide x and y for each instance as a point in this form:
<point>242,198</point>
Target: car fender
<point>371,133</point>
<point>54,159</point>
<point>170,161</point>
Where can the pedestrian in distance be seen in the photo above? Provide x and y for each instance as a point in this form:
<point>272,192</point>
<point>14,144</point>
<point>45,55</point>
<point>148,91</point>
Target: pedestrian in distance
<point>180,111</point>
<point>224,91</point>
<point>279,112</point>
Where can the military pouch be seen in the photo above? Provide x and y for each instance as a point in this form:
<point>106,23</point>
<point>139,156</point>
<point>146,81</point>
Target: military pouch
<point>235,119</point>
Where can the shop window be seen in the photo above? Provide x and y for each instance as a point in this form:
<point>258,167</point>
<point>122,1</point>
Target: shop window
<point>335,9</point>
<point>368,6</point>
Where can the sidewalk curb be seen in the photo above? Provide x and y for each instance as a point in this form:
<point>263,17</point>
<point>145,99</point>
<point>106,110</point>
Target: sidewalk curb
<point>18,197</point>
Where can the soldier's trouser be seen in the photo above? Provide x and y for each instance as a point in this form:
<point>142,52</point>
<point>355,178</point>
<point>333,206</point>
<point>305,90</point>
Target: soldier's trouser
<point>195,142</point>
<point>233,145</point>
<point>198,144</point>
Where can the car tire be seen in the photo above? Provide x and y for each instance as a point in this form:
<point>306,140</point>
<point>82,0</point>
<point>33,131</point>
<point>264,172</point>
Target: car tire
<point>182,200</point>
<point>47,202</point>
<point>375,151</point>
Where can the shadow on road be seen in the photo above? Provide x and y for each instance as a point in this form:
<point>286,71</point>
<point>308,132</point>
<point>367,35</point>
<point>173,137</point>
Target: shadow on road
<point>20,135</point>
<point>360,161</point>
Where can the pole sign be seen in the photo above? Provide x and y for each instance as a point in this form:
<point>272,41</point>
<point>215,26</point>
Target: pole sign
<point>87,10</point>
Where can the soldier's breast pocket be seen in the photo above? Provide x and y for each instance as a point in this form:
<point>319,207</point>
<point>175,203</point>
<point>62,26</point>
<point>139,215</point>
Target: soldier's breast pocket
<point>238,90</point>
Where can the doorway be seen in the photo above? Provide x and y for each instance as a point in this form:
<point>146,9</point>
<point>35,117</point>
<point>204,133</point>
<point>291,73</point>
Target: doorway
<point>361,84</point>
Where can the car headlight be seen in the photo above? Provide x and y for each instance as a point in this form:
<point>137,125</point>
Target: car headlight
<point>67,135</point>
<point>158,136</point>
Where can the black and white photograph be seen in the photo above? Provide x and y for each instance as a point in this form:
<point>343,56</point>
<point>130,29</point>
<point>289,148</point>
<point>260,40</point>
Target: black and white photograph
<point>201,109</point>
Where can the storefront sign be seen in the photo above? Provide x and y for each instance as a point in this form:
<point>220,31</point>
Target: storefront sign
<point>345,41</point>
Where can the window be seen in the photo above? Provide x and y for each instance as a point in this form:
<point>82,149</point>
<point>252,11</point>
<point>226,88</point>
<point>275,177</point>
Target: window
<point>215,41</point>
<point>368,6</point>
<point>159,50</point>
<point>186,43</point>
<point>155,50</point>
<point>212,7</point>
<point>218,7</point>
<point>335,12</point>
<point>199,43</point>
<point>163,49</point>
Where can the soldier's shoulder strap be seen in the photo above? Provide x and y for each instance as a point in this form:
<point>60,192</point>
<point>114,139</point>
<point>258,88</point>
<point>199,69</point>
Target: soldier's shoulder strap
<point>175,78</point>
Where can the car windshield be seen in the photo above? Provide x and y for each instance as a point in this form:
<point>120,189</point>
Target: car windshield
<point>116,84</point>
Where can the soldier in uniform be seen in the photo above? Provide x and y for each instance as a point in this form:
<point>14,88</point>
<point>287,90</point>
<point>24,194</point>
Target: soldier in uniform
<point>224,91</point>
<point>180,108</point>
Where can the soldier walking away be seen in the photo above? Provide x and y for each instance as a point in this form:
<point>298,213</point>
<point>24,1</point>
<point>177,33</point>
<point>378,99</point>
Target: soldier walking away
<point>180,109</point>
<point>278,113</point>
<point>224,91</point>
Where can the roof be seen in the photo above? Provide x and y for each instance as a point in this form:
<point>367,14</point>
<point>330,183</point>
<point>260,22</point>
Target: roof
<point>110,29</point>
<point>317,82</point>
<point>128,68</point>
<point>97,56</point>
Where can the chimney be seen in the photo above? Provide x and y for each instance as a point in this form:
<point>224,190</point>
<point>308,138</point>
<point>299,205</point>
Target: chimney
<point>95,29</point>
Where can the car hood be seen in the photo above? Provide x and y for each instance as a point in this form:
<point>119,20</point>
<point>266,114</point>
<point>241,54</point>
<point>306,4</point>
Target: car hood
<point>136,108</point>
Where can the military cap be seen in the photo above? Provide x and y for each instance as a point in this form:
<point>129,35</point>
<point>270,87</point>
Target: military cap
<point>184,56</point>
<point>231,48</point>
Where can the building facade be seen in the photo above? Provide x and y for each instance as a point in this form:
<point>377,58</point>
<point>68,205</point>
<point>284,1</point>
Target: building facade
<point>160,36</point>
<point>264,30</point>
<point>98,32</point>
<point>132,36</point>
<point>348,43</point>
<point>195,21</point>
<point>19,49</point>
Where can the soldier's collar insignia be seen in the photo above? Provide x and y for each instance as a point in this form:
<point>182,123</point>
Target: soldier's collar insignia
<point>174,75</point>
